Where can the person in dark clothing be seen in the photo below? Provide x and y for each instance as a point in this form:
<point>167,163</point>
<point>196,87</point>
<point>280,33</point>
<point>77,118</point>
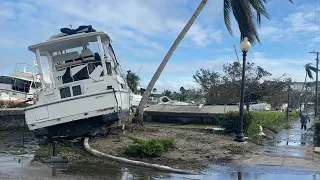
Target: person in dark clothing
<point>304,117</point>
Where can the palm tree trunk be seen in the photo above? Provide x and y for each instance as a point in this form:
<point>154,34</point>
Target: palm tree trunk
<point>157,74</point>
<point>304,84</point>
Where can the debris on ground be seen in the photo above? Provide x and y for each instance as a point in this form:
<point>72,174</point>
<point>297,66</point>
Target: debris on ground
<point>194,149</point>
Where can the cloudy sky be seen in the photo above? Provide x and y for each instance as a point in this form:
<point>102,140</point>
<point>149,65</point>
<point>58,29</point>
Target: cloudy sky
<point>143,31</point>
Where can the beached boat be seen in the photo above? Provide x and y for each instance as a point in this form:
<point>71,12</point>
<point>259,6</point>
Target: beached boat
<point>20,85</point>
<point>88,90</point>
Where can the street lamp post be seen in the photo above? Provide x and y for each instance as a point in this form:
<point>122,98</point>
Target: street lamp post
<point>288,103</point>
<point>245,47</point>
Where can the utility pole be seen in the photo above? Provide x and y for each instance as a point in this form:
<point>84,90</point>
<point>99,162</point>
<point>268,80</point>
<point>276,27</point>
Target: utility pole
<point>316,102</point>
<point>288,103</point>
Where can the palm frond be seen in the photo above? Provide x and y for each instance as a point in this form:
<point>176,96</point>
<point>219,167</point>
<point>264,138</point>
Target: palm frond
<point>309,73</point>
<point>245,11</point>
<point>259,6</point>
<point>243,14</point>
<point>313,69</point>
<point>226,13</point>
<point>308,70</point>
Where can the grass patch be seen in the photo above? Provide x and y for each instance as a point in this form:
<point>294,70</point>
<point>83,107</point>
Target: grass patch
<point>148,148</point>
<point>15,151</point>
<point>71,153</point>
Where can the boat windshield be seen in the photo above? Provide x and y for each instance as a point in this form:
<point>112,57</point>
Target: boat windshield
<point>83,63</point>
<point>17,84</point>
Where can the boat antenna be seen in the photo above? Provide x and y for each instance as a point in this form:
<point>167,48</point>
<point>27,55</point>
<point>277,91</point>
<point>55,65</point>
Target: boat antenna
<point>70,26</point>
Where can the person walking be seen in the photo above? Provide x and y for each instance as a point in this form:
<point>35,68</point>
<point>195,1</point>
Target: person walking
<point>304,117</point>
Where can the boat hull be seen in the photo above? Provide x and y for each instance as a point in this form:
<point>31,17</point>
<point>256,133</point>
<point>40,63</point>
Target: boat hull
<point>79,116</point>
<point>81,128</point>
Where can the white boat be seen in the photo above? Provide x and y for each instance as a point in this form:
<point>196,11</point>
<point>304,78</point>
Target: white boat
<point>88,90</point>
<point>20,85</point>
<point>135,100</point>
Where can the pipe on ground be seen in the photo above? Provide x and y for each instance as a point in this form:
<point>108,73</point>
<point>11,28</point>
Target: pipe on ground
<point>128,161</point>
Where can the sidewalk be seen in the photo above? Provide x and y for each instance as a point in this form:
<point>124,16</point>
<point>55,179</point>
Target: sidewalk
<point>292,149</point>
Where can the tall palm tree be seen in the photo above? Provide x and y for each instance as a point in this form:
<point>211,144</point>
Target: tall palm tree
<point>243,11</point>
<point>309,74</point>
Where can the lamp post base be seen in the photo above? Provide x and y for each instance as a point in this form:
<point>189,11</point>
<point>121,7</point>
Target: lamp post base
<point>240,138</point>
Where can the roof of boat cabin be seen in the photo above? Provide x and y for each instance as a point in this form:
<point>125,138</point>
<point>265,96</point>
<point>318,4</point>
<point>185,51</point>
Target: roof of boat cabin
<point>68,42</point>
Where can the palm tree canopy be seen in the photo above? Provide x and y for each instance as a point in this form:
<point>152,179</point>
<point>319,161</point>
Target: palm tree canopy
<point>245,12</point>
<point>182,90</point>
<point>132,81</point>
<point>154,90</point>
<point>309,69</point>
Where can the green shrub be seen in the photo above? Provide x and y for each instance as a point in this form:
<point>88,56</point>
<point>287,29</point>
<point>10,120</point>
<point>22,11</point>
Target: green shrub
<point>252,120</point>
<point>294,114</point>
<point>231,120</point>
<point>149,148</point>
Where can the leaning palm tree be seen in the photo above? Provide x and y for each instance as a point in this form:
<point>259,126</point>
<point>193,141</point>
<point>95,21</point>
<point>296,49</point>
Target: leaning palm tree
<point>244,12</point>
<point>139,114</point>
<point>309,74</point>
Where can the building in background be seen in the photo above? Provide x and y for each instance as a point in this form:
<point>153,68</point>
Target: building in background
<point>310,86</point>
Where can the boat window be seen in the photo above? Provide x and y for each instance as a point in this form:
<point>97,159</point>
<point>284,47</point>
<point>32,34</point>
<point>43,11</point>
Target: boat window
<point>109,71</point>
<point>80,74</point>
<point>65,92</point>
<point>21,85</point>
<point>67,78</point>
<point>76,90</point>
<point>6,80</point>
<point>111,53</point>
<point>36,84</point>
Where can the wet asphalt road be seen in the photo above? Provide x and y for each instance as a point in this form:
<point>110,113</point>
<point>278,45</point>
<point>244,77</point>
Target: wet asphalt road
<point>22,167</point>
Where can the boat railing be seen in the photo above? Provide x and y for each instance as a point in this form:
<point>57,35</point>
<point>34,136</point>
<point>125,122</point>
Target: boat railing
<point>27,68</point>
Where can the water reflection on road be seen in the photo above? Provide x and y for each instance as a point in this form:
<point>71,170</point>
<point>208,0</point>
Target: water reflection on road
<point>22,167</point>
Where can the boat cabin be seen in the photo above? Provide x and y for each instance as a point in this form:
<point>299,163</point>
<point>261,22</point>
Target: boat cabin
<point>19,84</point>
<point>76,61</point>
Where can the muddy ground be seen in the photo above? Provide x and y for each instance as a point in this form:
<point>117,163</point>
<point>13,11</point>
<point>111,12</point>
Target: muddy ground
<point>195,149</point>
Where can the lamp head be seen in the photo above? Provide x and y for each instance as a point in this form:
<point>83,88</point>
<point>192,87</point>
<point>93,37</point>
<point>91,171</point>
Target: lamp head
<point>245,45</point>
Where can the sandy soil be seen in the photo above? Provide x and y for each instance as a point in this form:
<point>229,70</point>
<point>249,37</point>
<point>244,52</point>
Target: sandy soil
<point>194,150</point>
